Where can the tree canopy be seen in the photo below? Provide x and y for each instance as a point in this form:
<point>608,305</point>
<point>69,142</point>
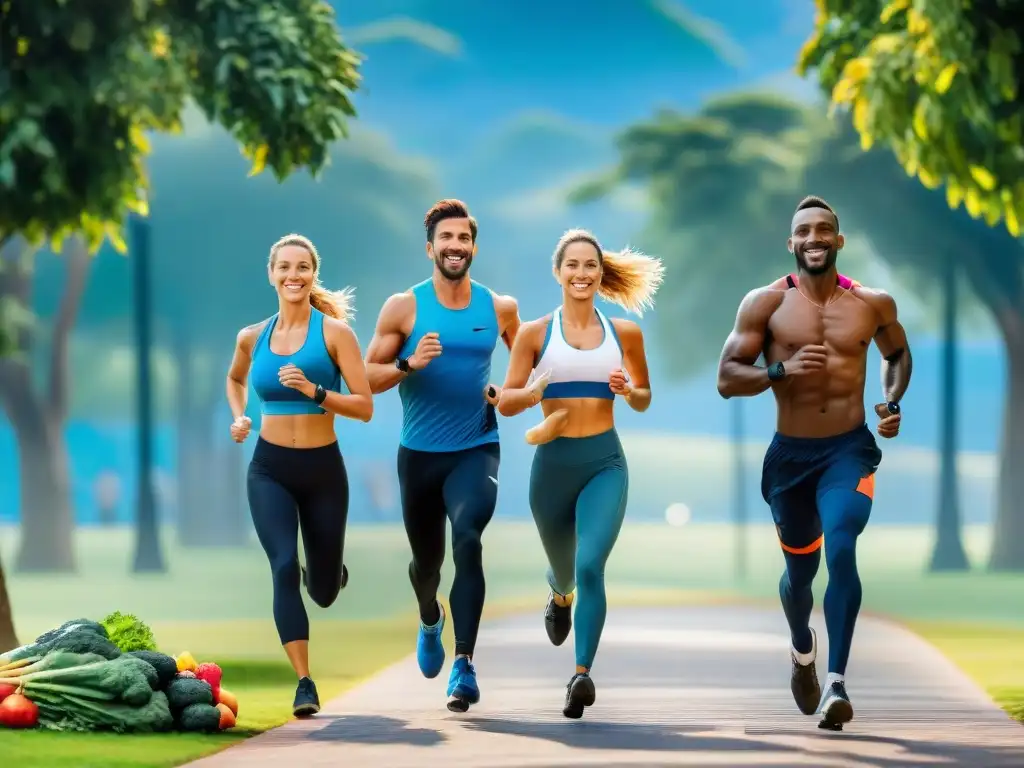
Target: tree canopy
<point>938,82</point>
<point>724,183</point>
<point>82,84</point>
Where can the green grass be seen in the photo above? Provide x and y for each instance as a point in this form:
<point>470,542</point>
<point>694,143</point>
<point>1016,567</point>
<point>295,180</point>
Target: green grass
<point>993,656</point>
<point>219,585</point>
<point>217,605</point>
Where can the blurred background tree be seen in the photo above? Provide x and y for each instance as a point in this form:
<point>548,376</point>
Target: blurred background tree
<point>84,86</point>
<point>940,85</point>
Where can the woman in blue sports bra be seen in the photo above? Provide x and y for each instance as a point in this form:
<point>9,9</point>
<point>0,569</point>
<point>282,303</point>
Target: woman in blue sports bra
<point>580,361</point>
<point>306,367</point>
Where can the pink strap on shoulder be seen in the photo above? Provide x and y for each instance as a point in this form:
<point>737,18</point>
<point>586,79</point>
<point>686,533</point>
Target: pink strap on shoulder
<point>843,280</point>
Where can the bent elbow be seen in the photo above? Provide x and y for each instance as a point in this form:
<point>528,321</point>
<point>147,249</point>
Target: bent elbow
<point>506,408</point>
<point>725,390</point>
<point>366,412</point>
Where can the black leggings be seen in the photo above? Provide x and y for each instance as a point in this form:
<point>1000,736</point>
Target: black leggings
<point>289,489</point>
<point>461,486</point>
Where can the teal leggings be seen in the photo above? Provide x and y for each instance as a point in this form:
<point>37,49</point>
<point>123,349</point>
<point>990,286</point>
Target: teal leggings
<point>578,489</point>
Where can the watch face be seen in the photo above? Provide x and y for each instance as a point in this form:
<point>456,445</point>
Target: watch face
<point>894,408</point>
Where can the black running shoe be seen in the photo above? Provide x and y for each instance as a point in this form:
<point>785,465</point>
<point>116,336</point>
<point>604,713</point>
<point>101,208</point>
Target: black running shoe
<point>557,620</point>
<point>836,709</point>
<point>579,693</point>
<point>803,681</point>
<point>344,577</point>
<point>307,702</point>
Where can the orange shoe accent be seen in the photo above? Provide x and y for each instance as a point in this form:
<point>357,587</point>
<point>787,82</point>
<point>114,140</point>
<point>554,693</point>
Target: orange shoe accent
<point>812,547</point>
<point>867,486</point>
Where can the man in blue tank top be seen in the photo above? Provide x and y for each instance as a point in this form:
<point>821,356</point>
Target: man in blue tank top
<point>435,341</point>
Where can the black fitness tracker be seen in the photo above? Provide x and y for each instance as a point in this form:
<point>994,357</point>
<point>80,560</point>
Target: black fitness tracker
<point>402,364</point>
<point>893,408</point>
<point>320,395</point>
<point>776,371</point>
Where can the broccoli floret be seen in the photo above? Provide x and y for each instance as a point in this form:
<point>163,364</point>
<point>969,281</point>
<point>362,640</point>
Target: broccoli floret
<point>80,640</point>
<point>166,668</point>
<point>86,624</point>
<point>183,691</point>
<point>148,670</point>
<point>199,717</point>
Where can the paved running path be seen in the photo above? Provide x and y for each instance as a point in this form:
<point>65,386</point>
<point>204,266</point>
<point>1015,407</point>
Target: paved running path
<point>688,686</point>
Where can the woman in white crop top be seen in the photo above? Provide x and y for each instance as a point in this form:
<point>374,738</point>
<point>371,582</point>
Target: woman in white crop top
<point>574,362</point>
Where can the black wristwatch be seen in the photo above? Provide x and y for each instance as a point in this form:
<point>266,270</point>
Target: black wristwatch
<point>402,364</point>
<point>776,371</point>
<point>893,408</point>
<point>319,395</point>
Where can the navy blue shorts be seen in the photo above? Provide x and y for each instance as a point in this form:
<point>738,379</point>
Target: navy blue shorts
<point>799,470</point>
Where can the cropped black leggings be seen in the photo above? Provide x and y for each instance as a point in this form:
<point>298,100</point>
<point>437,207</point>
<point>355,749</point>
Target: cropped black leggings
<point>292,489</point>
<point>461,486</point>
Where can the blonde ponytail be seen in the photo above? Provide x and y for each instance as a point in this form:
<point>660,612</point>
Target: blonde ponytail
<point>337,304</point>
<point>629,278</point>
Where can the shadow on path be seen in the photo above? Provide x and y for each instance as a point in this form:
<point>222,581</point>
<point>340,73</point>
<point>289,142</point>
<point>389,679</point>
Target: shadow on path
<point>670,738</point>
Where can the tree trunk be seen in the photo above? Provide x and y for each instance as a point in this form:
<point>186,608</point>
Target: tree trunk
<point>47,519</point>
<point>47,523</point>
<point>194,456</point>
<point>949,554</point>
<point>739,501</point>
<point>148,556</point>
<point>8,638</point>
<point>1008,531</point>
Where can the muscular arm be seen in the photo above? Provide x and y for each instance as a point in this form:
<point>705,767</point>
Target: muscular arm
<point>635,360</point>
<point>358,404</point>
<point>238,372</point>
<point>507,310</point>
<point>737,374</point>
<point>386,343</point>
<point>891,339</point>
<point>516,397</point>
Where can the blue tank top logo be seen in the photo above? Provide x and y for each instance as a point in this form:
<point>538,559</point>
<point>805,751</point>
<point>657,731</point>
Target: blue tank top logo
<point>312,358</point>
<point>443,405</point>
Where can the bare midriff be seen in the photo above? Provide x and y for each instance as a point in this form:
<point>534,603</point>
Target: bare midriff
<point>585,416</point>
<point>305,430</point>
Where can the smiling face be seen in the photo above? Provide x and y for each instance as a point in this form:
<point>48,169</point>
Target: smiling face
<point>815,241</point>
<point>292,272</point>
<point>452,247</point>
<point>579,272</point>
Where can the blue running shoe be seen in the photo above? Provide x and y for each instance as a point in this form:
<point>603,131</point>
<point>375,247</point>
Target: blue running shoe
<point>429,649</point>
<point>307,702</point>
<point>462,687</point>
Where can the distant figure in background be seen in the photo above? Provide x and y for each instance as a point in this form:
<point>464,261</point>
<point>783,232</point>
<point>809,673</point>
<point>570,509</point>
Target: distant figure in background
<point>107,490</point>
<point>579,481</point>
<point>448,455</point>
<point>814,330</point>
<point>302,359</point>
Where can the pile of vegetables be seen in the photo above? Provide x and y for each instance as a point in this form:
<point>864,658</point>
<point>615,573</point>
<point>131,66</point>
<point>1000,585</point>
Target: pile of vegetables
<point>108,675</point>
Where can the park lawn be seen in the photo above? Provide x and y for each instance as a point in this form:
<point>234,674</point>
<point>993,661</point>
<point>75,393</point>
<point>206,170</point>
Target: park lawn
<point>990,654</point>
